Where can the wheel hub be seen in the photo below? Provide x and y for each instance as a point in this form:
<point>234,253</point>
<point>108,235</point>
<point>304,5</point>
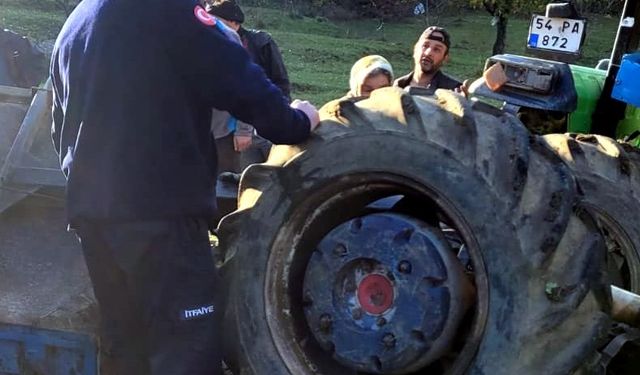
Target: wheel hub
<point>375,294</point>
<point>384,294</point>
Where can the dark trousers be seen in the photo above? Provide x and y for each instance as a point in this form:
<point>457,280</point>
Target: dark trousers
<point>155,282</point>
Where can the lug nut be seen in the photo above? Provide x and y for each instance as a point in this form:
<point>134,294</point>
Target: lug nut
<point>340,250</point>
<point>356,313</point>
<point>356,225</point>
<point>404,236</point>
<point>307,300</point>
<point>381,321</point>
<point>389,340</point>
<point>325,322</point>
<point>404,267</point>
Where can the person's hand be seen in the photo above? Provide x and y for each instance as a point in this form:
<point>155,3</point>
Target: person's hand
<point>464,89</point>
<point>241,142</point>
<point>309,110</point>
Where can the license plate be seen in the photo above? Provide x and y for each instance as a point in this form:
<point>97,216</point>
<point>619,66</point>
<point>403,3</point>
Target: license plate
<point>556,34</point>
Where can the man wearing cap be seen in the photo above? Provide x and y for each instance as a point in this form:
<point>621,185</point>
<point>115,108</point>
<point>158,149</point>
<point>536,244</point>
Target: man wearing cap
<point>240,137</point>
<point>429,54</point>
<point>131,125</point>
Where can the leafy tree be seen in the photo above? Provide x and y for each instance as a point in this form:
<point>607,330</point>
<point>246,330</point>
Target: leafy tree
<point>500,10</point>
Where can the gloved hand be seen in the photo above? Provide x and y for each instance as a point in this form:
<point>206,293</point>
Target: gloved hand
<point>309,110</point>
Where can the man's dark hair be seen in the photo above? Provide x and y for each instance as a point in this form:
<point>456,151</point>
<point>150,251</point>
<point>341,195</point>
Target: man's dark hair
<point>226,9</point>
<point>444,36</point>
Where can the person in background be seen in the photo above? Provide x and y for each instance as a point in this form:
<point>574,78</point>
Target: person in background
<point>265,52</point>
<point>367,74</point>
<point>430,53</point>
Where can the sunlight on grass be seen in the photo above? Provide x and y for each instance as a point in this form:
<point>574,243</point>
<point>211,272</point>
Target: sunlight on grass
<point>319,53</point>
<point>27,21</point>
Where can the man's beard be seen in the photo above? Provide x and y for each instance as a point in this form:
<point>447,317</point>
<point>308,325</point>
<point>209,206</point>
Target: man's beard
<point>428,66</point>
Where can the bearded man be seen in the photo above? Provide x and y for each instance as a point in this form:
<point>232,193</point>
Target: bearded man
<point>430,53</point>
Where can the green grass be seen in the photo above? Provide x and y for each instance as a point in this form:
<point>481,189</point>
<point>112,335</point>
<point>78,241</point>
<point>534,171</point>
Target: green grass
<point>319,53</point>
<point>37,19</point>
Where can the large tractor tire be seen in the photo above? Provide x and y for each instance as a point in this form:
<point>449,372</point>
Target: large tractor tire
<point>608,173</point>
<point>485,265</point>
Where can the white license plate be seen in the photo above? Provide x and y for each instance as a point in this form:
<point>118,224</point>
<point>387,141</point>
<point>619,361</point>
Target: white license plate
<point>556,34</point>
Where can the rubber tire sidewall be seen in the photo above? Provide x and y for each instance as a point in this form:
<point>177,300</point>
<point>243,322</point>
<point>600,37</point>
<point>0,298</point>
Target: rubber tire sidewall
<point>511,278</point>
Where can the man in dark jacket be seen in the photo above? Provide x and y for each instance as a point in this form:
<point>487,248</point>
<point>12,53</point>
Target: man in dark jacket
<point>430,53</point>
<point>134,83</point>
<point>263,49</point>
<point>265,52</point>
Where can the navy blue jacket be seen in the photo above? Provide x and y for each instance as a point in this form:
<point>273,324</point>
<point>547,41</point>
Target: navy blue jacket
<point>134,83</point>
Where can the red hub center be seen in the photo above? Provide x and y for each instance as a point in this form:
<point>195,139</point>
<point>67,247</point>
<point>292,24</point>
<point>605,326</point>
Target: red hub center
<point>375,294</point>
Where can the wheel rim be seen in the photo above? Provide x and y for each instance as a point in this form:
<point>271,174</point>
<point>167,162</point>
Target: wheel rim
<point>623,263</point>
<point>302,327</point>
<point>396,290</point>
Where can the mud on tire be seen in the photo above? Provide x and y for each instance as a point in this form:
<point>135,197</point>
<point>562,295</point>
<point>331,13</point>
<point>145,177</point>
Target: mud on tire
<point>608,173</point>
<point>542,297</point>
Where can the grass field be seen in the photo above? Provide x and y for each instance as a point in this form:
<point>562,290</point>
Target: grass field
<point>319,52</point>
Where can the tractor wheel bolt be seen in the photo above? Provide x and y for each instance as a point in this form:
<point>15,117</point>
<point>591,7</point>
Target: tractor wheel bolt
<point>356,313</point>
<point>389,340</point>
<point>381,321</point>
<point>325,322</point>
<point>356,225</point>
<point>340,250</point>
<point>307,300</point>
<point>404,267</point>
